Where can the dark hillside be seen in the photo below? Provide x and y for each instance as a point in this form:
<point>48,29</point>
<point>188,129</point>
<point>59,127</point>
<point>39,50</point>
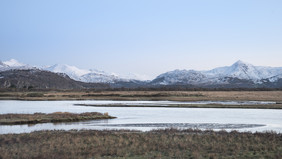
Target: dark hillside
<point>38,79</point>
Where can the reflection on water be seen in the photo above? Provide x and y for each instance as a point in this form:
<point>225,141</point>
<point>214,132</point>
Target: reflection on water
<point>145,118</point>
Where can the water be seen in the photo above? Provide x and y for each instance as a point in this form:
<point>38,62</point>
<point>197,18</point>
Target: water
<point>145,118</point>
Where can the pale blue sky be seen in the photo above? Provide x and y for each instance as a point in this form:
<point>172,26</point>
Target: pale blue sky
<point>145,36</point>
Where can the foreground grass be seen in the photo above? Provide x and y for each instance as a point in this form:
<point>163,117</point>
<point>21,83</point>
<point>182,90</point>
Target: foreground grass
<point>12,119</point>
<point>168,143</point>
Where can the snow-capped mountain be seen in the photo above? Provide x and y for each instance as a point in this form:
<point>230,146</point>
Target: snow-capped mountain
<point>243,70</point>
<point>240,74</point>
<point>181,76</point>
<point>96,77</point>
<point>13,64</point>
<point>83,75</point>
<point>89,76</point>
<point>72,71</point>
<point>222,75</point>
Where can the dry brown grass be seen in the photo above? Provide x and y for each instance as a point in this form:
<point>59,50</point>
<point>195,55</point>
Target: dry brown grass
<point>11,119</point>
<point>168,143</point>
<point>148,95</point>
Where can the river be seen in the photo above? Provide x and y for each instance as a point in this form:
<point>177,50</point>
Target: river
<point>146,118</point>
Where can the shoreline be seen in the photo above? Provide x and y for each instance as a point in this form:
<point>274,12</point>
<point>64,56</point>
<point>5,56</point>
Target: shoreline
<point>279,106</point>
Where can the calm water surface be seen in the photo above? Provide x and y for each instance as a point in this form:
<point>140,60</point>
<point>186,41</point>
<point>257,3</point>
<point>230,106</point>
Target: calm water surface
<point>145,118</point>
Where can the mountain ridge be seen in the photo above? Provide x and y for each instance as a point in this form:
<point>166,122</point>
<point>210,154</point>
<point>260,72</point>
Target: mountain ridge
<point>83,75</point>
<point>221,75</point>
<point>239,74</point>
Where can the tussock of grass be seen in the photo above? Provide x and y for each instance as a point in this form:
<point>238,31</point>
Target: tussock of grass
<point>11,119</point>
<point>35,94</point>
<point>168,143</point>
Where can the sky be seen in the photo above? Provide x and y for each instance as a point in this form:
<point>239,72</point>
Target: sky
<point>146,37</point>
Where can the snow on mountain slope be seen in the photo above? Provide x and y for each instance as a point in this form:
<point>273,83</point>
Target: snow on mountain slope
<point>243,70</point>
<point>222,75</point>
<point>92,75</point>
<point>3,64</point>
<point>239,70</point>
<point>14,64</point>
<point>95,77</point>
<point>72,71</point>
<point>67,69</point>
<point>181,76</point>
<point>275,78</point>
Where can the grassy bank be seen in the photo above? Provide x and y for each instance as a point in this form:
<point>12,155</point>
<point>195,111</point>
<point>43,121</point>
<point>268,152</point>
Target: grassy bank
<point>147,95</point>
<point>269,106</point>
<point>12,119</point>
<point>169,143</point>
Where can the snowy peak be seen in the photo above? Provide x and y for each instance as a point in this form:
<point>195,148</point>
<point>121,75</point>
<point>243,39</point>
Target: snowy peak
<point>180,76</point>
<point>239,70</point>
<point>90,76</point>
<point>240,63</point>
<point>242,70</point>
<point>72,71</point>
<point>238,67</point>
<point>241,66</point>
<point>13,63</point>
<point>62,68</point>
<point>94,77</point>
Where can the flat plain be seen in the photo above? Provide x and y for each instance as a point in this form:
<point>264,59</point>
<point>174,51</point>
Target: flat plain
<point>146,95</point>
<point>272,96</point>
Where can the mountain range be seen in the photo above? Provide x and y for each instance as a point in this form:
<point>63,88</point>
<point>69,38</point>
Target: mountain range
<point>238,75</point>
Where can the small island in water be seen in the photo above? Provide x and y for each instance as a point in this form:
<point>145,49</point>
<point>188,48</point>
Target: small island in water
<point>13,119</point>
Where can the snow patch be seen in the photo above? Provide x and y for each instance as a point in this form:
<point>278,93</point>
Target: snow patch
<point>13,63</point>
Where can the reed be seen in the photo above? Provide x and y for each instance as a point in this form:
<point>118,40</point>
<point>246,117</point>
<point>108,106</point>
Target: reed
<point>167,143</point>
<point>13,119</point>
